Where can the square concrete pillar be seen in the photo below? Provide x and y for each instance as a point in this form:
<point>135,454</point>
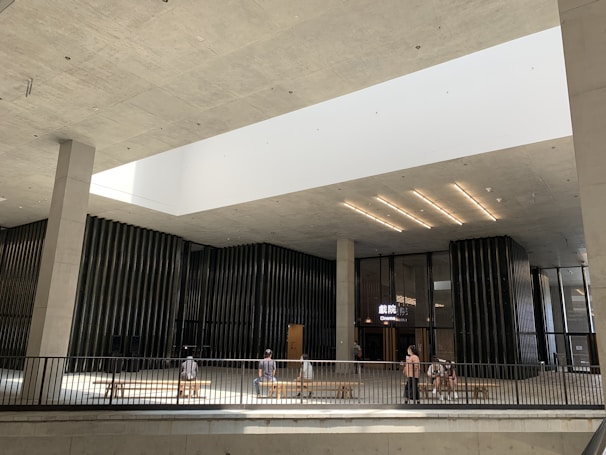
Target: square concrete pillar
<point>345,299</point>
<point>584,39</point>
<point>59,269</point>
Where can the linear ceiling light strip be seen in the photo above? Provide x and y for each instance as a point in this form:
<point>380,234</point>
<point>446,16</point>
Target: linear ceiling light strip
<point>372,217</point>
<point>437,207</point>
<point>468,196</point>
<point>403,212</point>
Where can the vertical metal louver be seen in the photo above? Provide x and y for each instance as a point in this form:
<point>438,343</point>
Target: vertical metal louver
<point>151,292</point>
<point>128,290</point>
<point>20,254</point>
<point>255,291</point>
<point>492,296</point>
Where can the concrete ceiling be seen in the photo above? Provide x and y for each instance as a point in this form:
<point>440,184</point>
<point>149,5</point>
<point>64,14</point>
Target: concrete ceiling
<point>139,78</point>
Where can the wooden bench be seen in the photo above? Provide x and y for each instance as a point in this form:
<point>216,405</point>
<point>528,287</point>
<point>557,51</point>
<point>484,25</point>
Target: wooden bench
<point>117,387</point>
<point>476,387</point>
<point>341,389</point>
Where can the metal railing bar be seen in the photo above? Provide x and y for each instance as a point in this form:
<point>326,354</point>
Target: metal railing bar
<point>152,383</point>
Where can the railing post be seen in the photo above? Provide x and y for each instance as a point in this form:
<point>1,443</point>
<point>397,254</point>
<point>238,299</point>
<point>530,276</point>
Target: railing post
<point>465,377</point>
<point>301,387</point>
<point>564,385</point>
<point>42,381</point>
<point>113,389</point>
<point>516,378</point>
<point>179,383</point>
<point>242,382</point>
<point>359,386</point>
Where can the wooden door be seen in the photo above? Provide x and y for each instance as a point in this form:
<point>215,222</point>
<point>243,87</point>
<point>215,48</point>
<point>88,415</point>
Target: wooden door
<point>295,341</point>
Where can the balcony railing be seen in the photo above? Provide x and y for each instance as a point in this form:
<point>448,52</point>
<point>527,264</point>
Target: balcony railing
<point>146,383</point>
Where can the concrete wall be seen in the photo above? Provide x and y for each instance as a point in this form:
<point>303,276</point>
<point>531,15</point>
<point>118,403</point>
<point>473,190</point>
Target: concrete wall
<point>299,431</point>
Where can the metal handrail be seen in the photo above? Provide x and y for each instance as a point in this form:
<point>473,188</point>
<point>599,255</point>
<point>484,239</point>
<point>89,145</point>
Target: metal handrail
<point>154,383</point>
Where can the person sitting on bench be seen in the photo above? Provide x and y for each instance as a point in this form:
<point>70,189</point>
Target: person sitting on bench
<point>189,369</point>
<point>450,374</point>
<point>435,373</point>
<point>267,371</point>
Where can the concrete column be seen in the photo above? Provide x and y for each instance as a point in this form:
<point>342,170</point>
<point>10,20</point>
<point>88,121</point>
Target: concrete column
<point>59,268</point>
<point>345,299</point>
<point>584,38</point>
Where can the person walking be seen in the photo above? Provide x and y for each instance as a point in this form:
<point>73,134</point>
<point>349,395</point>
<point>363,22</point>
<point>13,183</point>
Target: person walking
<point>357,356</point>
<point>306,373</point>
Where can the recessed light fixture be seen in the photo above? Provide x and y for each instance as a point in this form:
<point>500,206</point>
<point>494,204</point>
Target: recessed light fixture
<point>476,203</point>
<point>28,88</point>
<point>403,212</point>
<point>2,199</point>
<point>372,217</point>
<point>437,207</point>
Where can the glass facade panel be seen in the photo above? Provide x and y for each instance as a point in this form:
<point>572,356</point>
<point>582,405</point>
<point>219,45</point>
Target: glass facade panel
<point>568,317</point>
<point>445,344</point>
<point>442,295</point>
<point>589,300</point>
<point>410,285</point>
<point>374,295</point>
<point>394,294</point>
<point>580,351</point>
<point>574,299</point>
<point>553,317</point>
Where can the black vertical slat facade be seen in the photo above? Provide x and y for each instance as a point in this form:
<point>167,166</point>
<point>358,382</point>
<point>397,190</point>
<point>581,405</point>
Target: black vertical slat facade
<point>521,286</point>
<point>128,287</point>
<point>492,298</point>
<point>239,300</point>
<point>165,292</point>
<point>190,322</point>
<point>255,291</point>
<point>20,254</point>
